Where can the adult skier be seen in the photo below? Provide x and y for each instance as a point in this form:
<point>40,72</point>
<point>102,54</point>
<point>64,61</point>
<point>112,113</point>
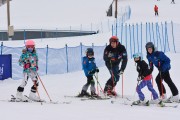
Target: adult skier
<point>114,53</point>
<point>162,62</point>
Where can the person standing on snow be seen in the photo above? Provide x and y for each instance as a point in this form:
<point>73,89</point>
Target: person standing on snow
<point>156,10</point>
<point>89,67</point>
<point>144,77</point>
<point>114,53</point>
<point>29,61</point>
<point>162,62</point>
<point>172,2</point>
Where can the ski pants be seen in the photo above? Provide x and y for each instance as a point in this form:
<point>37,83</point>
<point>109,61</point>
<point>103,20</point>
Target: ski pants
<point>150,88</point>
<point>166,77</point>
<point>156,13</point>
<point>112,81</point>
<point>33,77</point>
<point>90,81</point>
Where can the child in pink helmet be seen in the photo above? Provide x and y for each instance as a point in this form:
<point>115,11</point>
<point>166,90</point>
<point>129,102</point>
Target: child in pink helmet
<point>29,61</point>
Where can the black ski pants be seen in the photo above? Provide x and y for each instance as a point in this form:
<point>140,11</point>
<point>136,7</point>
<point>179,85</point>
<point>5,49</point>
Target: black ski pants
<point>166,77</point>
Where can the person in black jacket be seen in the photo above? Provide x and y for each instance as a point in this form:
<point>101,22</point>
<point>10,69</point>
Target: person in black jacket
<point>144,77</point>
<point>114,53</point>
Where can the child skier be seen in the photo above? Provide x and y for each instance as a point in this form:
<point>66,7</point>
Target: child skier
<point>89,67</point>
<point>144,77</point>
<point>29,61</point>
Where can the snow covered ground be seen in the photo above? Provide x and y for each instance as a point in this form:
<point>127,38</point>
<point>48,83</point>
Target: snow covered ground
<point>70,84</point>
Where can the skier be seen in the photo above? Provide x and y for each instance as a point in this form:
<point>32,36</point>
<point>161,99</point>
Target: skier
<point>156,10</point>
<point>162,62</point>
<point>29,61</point>
<point>144,77</point>
<point>113,54</point>
<point>172,2</point>
<point>90,68</point>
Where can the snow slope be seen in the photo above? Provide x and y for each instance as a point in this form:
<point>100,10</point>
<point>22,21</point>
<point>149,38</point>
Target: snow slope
<point>71,84</point>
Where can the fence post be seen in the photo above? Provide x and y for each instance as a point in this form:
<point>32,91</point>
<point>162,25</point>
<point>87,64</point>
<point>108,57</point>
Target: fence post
<point>126,34</point>
<point>150,31</point>
<point>153,33</point>
<point>166,33</point>
<point>67,57</point>
<point>24,35</point>
<point>130,39</point>
<point>163,36</point>
<point>121,32</point>
<point>81,53</point>
<point>141,37</point>
<point>133,39</point>
<point>1,47</point>
<point>47,59</point>
<point>173,36</point>
<point>137,36</point>
<point>146,33</point>
<point>157,35</point>
<point>160,37</point>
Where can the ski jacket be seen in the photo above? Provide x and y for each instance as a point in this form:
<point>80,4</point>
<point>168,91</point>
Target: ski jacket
<point>143,70</point>
<point>113,56</point>
<point>29,61</point>
<point>88,65</point>
<point>160,60</point>
<point>156,8</point>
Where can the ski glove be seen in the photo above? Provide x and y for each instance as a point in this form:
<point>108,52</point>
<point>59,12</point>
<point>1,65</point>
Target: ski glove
<point>120,72</point>
<point>139,79</point>
<point>27,66</point>
<point>91,72</point>
<point>97,70</point>
<point>160,69</point>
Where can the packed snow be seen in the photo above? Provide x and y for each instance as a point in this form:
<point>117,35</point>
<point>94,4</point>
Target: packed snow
<point>70,84</point>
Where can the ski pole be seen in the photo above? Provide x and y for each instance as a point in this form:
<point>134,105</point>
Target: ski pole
<point>135,90</point>
<point>160,74</point>
<point>112,75</point>
<point>152,85</point>
<point>37,90</point>
<point>122,86</point>
<point>96,77</point>
<point>44,87</point>
<point>97,84</point>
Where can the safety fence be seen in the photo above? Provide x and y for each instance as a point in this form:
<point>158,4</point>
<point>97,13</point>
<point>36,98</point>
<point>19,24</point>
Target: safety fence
<point>165,36</point>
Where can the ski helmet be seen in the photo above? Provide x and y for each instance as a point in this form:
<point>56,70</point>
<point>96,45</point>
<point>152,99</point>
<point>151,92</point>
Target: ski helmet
<point>137,55</point>
<point>113,39</point>
<point>150,45</point>
<point>89,51</point>
<point>30,43</point>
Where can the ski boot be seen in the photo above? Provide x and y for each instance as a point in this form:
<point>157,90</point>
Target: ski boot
<point>84,94</point>
<point>20,97</point>
<point>141,103</point>
<point>93,94</point>
<point>33,97</point>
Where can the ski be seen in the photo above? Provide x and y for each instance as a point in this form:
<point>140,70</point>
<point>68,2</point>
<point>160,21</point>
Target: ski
<point>147,104</point>
<point>96,98</point>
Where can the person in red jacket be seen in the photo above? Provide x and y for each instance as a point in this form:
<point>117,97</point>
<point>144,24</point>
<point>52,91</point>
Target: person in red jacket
<point>156,10</point>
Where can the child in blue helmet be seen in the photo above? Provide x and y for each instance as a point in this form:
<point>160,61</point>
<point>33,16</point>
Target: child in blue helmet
<point>144,77</point>
<point>89,67</point>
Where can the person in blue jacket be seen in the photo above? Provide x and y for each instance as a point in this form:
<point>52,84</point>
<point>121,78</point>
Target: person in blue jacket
<point>90,68</point>
<point>162,62</point>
